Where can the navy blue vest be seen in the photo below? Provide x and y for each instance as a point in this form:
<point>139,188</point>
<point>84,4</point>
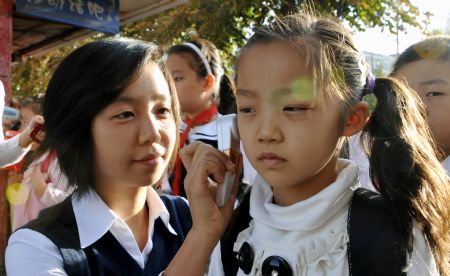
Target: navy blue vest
<point>106,256</point>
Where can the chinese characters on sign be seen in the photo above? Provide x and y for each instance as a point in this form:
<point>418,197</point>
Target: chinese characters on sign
<point>100,15</point>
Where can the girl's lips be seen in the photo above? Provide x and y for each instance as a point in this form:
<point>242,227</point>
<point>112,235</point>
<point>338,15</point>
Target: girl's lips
<point>270,159</point>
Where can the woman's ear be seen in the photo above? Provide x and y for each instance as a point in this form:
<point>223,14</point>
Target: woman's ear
<point>209,82</point>
<point>356,118</point>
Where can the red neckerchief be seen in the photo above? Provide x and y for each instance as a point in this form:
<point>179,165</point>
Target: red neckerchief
<point>204,117</point>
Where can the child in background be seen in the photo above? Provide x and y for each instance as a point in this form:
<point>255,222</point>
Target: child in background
<point>425,66</point>
<point>43,185</point>
<point>114,129</point>
<point>14,149</point>
<point>300,84</point>
<point>204,92</point>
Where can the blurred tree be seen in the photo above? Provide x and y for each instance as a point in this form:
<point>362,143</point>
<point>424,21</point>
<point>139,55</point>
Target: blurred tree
<point>228,24</point>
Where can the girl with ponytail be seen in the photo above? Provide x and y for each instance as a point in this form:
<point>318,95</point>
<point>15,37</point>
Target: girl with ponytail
<point>300,87</point>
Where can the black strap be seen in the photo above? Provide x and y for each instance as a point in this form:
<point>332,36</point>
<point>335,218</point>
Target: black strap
<point>59,225</point>
<point>238,222</point>
<point>375,246</point>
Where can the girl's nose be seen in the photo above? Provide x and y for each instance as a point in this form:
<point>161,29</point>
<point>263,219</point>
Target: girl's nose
<point>269,131</point>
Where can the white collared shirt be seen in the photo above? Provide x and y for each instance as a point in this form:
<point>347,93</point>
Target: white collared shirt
<point>31,253</point>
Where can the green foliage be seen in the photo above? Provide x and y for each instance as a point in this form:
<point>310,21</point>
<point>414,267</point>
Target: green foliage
<point>31,77</point>
<point>228,24</point>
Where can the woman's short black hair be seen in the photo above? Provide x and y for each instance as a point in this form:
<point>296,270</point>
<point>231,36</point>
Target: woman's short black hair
<point>85,82</point>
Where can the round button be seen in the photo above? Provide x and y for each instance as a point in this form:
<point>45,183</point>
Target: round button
<point>245,258</point>
<point>276,266</point>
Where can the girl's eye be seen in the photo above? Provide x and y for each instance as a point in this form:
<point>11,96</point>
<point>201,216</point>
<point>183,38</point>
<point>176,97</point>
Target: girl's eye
<point>125,115</point>
<point>246,110</point>
<point>295,108</point>
<point>178,78</point>
<point>433,94</point>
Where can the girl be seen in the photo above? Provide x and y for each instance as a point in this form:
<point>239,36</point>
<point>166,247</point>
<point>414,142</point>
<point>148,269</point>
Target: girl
<point>425,66</point>
<point>300,83</point>
<point>114,130</point>
<point>205,93</point>
<point>14,149</point>
<point>43,185</point>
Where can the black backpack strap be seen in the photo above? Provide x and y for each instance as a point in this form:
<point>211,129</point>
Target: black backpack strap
<point>58,224</point>
<point>375,246</point>
<point>239,221</point>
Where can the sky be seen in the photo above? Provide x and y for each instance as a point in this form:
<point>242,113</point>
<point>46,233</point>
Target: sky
<point>374,40</point>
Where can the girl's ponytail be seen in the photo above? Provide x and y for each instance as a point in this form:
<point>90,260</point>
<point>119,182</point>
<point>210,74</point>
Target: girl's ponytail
<point>227,100</point>
<point>404,167</point>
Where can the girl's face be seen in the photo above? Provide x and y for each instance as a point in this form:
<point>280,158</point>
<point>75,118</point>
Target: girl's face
<point>26,114</point>
<point>431,80</point>
<point>190,86</point>
<point>288,138</point>
<point>134,136</point>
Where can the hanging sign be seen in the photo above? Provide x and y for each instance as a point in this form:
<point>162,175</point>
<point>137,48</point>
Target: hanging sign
<point>100,15</point>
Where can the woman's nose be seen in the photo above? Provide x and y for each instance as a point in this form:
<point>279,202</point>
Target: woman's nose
<point>149,130</point>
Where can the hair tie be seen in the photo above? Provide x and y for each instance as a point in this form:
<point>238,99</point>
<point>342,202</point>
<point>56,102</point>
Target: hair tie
<point>370,84</point>
<point>200,54</point>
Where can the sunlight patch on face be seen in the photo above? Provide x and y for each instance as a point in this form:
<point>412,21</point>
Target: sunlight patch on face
<point>303,89</point>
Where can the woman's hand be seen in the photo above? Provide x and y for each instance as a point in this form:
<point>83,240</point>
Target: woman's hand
<point>202,160</point>
<point>25,138</point>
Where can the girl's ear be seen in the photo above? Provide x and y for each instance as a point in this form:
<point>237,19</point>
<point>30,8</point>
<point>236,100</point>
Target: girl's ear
<point>356,118</point>
<point>208,82</point>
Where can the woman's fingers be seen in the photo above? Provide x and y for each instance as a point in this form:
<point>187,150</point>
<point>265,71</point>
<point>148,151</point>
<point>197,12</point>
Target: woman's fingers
<point>202,161</point>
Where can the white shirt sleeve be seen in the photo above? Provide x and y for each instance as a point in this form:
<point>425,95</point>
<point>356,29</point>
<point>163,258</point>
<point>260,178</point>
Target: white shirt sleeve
<point>31,253</point>
<point>215,265</point>
<point>53,195</point>
<point>422,260</point>
<point>11,152</point>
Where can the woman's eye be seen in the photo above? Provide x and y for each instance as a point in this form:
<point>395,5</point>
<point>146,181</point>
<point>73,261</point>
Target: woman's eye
<point>433,94</point>
<point>178,78</point>
<point>125,115</point>
<point>163,111</point>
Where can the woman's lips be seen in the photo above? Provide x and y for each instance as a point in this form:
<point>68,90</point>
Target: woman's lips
<point>150,160</point>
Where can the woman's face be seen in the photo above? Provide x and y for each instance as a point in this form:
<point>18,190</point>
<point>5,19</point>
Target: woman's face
<point>431,80</point>
<point>134,136</point>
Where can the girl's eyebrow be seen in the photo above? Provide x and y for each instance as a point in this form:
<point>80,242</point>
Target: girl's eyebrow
<point>245,92</point>
<point>434,81</point>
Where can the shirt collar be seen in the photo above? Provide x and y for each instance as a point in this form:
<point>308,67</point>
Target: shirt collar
<point>94,218</point>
